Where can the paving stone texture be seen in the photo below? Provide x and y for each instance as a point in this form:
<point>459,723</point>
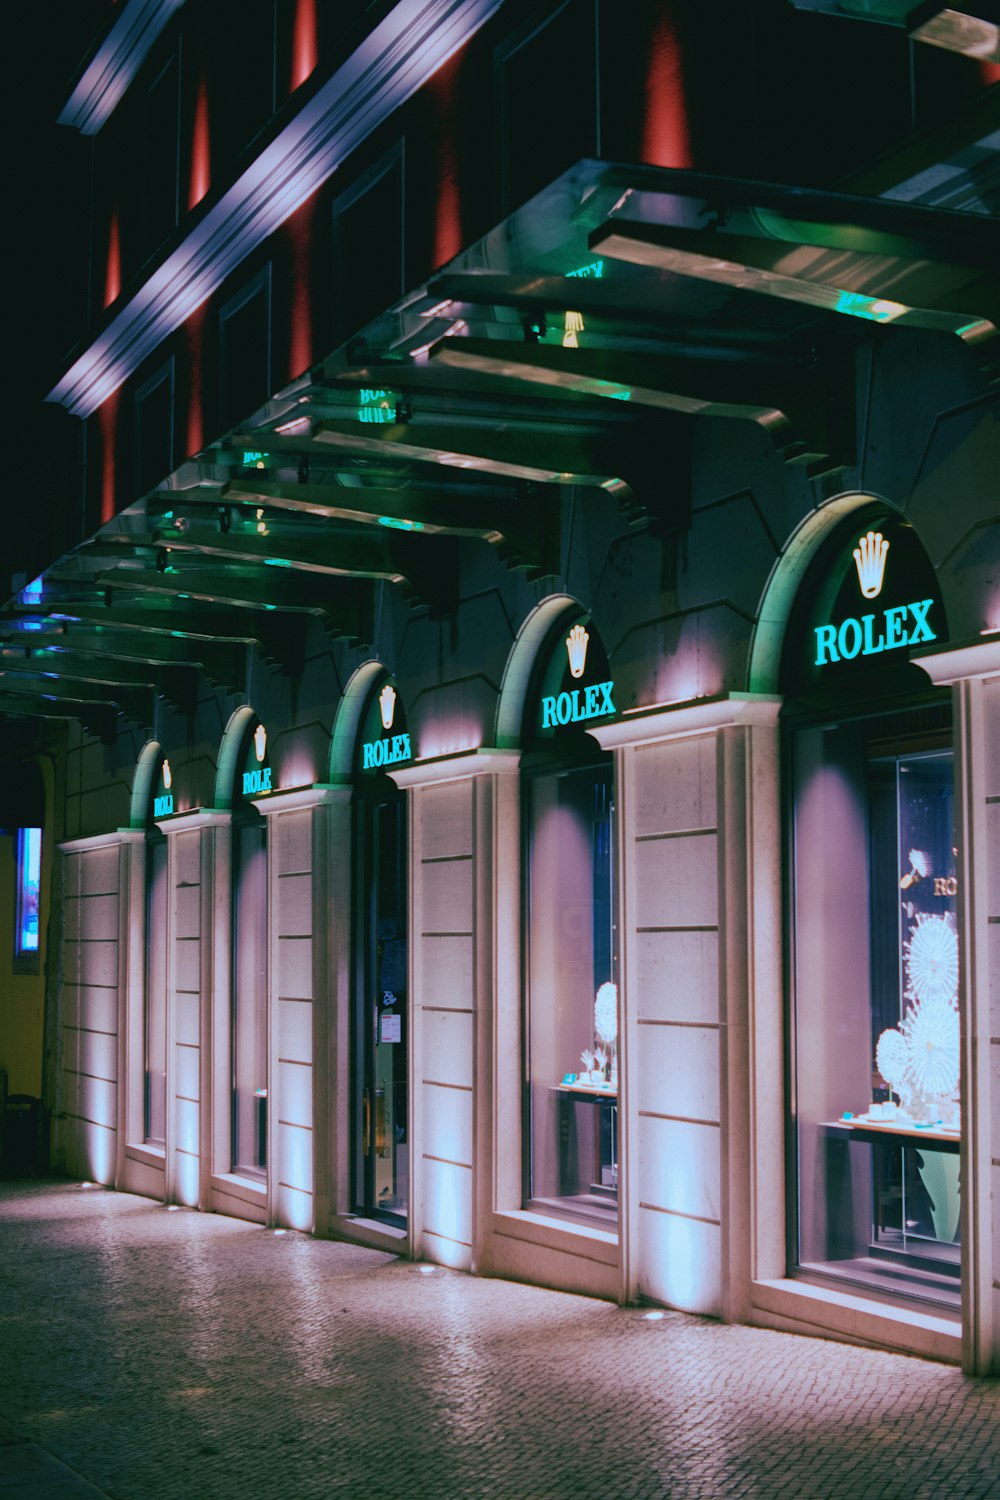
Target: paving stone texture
<point>147,1354</point>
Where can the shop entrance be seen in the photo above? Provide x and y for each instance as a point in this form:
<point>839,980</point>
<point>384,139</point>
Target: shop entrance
<point>381,1157</point>
<point>877,1023</point>
<point>875,986</point>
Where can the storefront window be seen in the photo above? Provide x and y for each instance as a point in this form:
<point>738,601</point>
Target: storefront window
<point>29,877</point>
<point>572,999</point>
<point>249,1034</point>
<point>571,1120</point>
<point>381,1153</point>
<point>875,1085</point>
<point>155,1018</point>
<point>876,1016</point>
<point>382,1168</point>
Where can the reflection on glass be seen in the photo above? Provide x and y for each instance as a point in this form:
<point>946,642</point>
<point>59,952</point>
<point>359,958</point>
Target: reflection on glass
<point>382,1161</point>
<point>250,1000</point>
<point>876,1018</point>
<point>572,1013</point>
<point>29,875</point>
<point>155,1028</point>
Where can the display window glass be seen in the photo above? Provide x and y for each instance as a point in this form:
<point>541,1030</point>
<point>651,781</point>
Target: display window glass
<point>876,981</point>
<point>29,884</point>
<point>154,1012</point>
<point>570,1117</point>
<point>875,1086</point>
<point>155,1008</point>
<point>381,1022</point>
<point>249,959</point>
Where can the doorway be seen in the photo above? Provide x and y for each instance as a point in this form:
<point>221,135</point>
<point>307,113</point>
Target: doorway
<point>381,1161</point>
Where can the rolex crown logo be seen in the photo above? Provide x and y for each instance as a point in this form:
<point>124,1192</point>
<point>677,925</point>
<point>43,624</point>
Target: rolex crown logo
<point>260,741</point>
<point>870,555</point>
<point>167,778</point>
<point>387,705</point>
<point>576,646</point>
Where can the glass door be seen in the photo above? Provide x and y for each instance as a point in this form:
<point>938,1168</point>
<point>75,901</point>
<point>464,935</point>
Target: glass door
<point>876,1020</point>
<point>155,1019</point>
<point>381,1022</point>
<point>571,1108</point>
<point>249,1018</point>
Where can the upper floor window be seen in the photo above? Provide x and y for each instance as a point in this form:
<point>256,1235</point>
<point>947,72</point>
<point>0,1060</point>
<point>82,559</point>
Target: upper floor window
<point>161,150</point>
<point>245,350</point>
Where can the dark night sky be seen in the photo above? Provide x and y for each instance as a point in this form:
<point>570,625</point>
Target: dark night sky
<point>46,45</point>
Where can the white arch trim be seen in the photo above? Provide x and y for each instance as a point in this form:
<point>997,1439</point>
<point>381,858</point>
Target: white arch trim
<point>347,724</point>
<point>146,770</point>
<point>520,665</point>
<point>229,757</point>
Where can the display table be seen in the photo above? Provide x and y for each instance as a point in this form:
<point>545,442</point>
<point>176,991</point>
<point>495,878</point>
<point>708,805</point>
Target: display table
<point>594,1090</point>
<point>930,1137</point>
<point>600,1161</point>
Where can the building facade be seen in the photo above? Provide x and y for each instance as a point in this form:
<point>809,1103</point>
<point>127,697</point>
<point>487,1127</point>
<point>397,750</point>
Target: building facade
<point>516,726</point>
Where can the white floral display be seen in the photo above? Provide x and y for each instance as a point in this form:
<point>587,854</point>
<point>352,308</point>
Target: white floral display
<point>931,1029</point>
<point>920,1060</point>
<point>606,1013</point>
<point>892,1058</point>
<point>932,959</point>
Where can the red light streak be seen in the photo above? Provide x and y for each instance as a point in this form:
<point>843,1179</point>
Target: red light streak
<point>666,140</point>
<point>113,270</point>
<point>305,49</point>
<point>201,157</point>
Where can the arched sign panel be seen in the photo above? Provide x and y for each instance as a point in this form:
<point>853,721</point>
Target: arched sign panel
<point>383,740</point>
<point>163,796</point>
<point>868,599</point>
<point>574,687</point>
<point>255,772</point>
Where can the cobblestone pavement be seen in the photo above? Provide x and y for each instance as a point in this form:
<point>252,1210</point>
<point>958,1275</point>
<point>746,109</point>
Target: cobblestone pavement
<point>147,1354</point>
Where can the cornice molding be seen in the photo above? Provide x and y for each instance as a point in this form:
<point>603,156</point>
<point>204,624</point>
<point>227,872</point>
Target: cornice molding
<point>667,721</point>
<point>393,62</point>
<point>116,63</point>
<point>957,662</point>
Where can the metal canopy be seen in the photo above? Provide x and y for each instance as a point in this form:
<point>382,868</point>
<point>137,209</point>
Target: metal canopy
<point>572,347</point>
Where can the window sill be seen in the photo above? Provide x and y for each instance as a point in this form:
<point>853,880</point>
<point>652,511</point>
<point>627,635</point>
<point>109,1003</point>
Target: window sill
<point>823,1311</point>
<point>558,1234</point>
<point>248,1188</point>
<point>150,1156</point>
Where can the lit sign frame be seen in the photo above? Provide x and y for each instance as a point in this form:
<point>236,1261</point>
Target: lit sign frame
<point>256,782</point>
<point>576,705</point>
<point>381,750</point>
<point>163,801</point>
<point>874,632</point>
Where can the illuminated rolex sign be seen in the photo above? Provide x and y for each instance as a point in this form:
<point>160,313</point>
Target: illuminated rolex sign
<point>163,799</point>
<point>873,632</point>
<point>870,593</point>
<point>385,740</point>
<point>577,687</point>
<point>256,771</point>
